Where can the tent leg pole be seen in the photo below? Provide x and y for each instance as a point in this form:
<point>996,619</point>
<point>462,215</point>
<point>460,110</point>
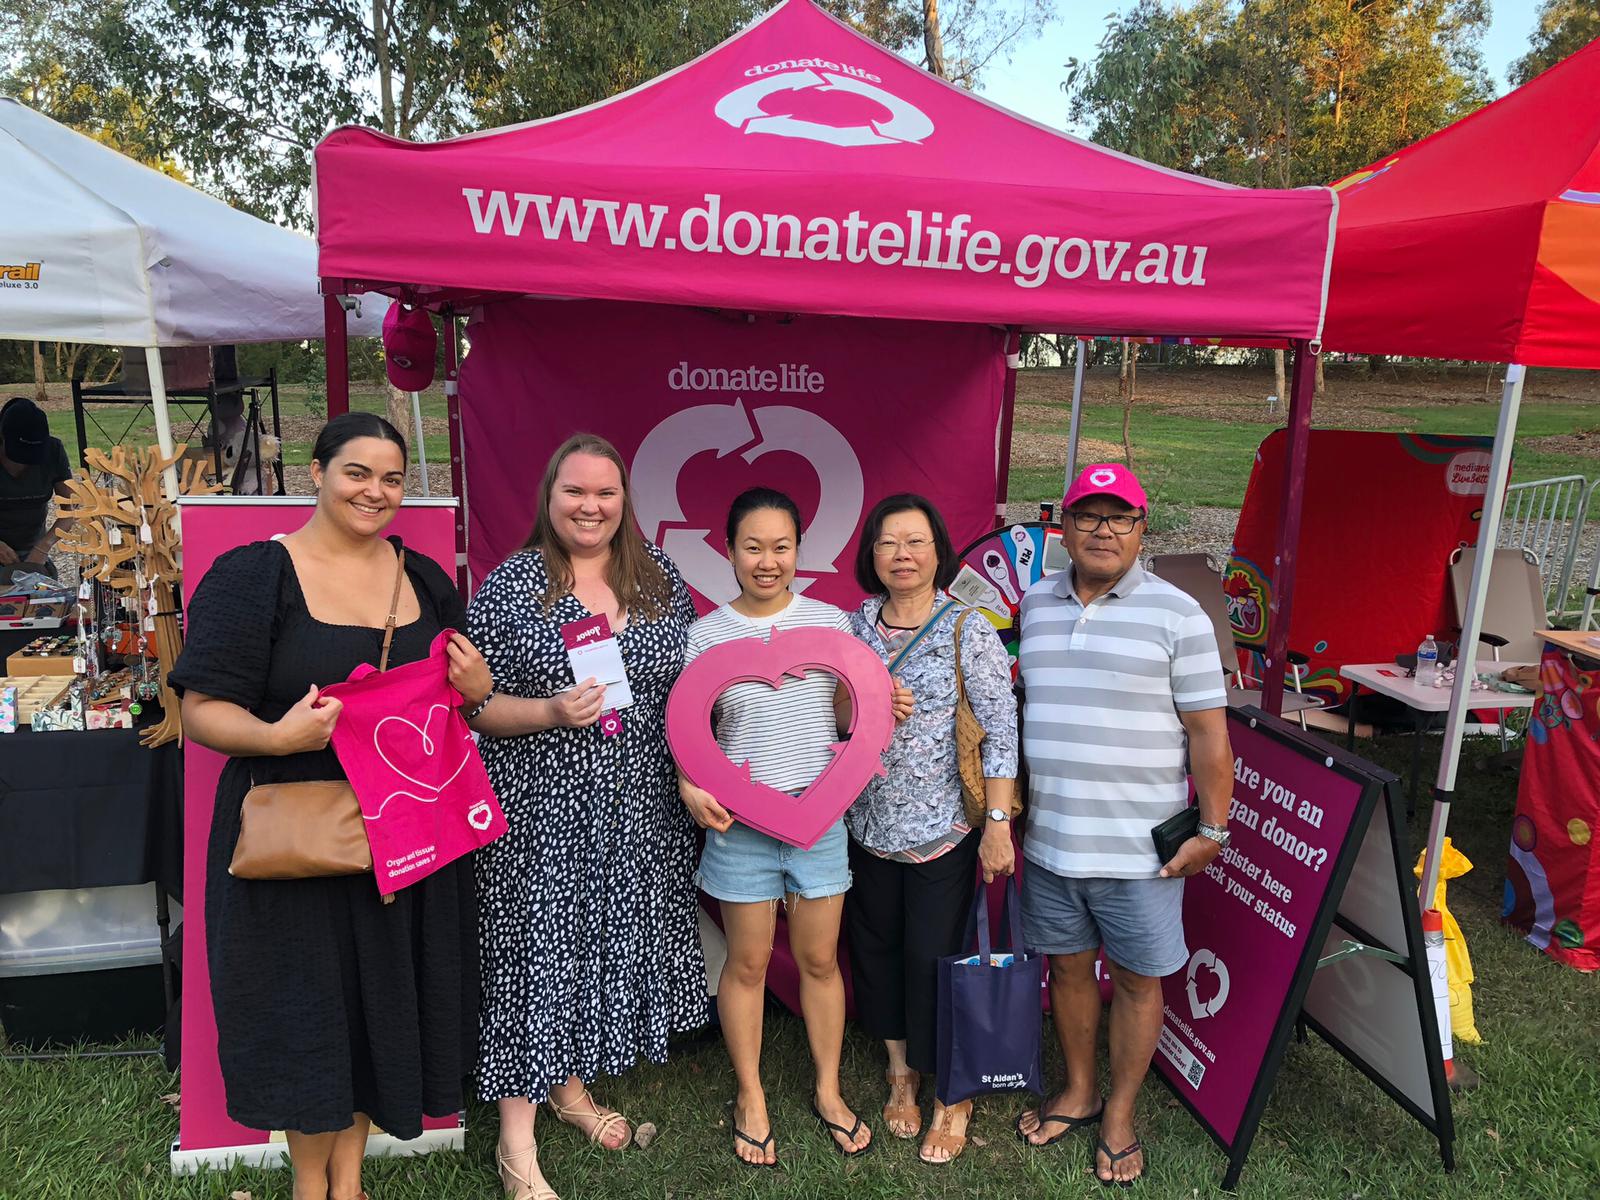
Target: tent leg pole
<point>1301,393</point>
<point>158,405</point>
<point>1083,345</point>
<point>1494,499</point>
<point>422,450</point>
<point>1008,409</point>
<point>337,348</point>
<point>458,487</point>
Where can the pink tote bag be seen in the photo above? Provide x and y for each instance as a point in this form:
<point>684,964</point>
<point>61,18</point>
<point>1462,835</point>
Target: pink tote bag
<point>415,768</point>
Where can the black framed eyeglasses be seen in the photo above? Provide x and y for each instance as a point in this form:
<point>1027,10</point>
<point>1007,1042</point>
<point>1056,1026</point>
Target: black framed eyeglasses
<point>1088,522</point>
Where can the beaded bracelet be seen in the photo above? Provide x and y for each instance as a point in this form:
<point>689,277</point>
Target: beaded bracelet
<point>482,704</point>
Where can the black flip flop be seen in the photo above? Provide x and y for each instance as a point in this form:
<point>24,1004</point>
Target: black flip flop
<point>1113,1159</point>
<point>848,1134</point>
<point>762,1146</point>
<point>1069,1125</point>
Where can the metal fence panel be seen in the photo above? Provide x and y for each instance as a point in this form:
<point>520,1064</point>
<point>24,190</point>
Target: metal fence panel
<point>1545,517</point>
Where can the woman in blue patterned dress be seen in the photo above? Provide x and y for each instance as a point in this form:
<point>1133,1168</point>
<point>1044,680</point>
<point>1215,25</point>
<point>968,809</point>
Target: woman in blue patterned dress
<point>913,853</point>
<point>590,940</point>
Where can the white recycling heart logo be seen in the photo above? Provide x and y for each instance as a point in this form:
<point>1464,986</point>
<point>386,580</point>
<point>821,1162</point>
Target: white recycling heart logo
<point>742,109</point>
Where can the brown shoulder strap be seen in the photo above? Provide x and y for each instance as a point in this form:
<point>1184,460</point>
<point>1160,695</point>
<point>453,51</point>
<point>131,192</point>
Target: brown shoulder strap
<point>961,683</point>
<point>394,606</point>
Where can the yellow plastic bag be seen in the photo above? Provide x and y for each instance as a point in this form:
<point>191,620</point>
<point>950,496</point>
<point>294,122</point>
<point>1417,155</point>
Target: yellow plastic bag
<point>1463,1027</point>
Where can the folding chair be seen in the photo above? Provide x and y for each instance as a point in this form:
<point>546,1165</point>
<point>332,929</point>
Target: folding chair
<point>1199,577</point>
<point>1513,609</point>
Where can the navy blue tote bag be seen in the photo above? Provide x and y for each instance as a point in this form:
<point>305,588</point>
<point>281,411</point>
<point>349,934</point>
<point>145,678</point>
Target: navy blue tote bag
<point>989,1016</point>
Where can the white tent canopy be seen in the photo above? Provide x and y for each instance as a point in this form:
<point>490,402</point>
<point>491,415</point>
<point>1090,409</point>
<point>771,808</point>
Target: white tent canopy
<point>97,248</point>
<point>122,255</point>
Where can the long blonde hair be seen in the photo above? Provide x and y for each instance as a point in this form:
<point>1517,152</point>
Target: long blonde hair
<point>636,578</point>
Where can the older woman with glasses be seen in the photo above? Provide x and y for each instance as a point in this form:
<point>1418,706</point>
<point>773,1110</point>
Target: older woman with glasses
<point>913,851</point>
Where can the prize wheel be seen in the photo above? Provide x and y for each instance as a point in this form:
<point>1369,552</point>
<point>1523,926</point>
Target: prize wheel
<point>998,568</point>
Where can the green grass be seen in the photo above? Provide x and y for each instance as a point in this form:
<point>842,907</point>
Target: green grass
<point>1184,460</point>
<point>97,1129</point>
<point>1192,460</point>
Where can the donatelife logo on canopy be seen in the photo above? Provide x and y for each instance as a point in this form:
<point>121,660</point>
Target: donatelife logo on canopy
<point>742,108</point>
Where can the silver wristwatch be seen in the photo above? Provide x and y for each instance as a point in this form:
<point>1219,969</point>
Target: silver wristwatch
<point>999,814</point>
<point>1217,833</point>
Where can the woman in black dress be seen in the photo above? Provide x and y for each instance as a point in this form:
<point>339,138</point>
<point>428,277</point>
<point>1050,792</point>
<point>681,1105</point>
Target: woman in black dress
<point>334,1010</point>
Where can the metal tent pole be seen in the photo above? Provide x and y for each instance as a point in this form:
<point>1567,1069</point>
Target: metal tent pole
<point>422,450</point>
<point>337,349</point>
<point>1077,412</point>
<point>1008,408</point>
<point>458,480</point>
<point>1301,392</point>
<point>158,405</point>
<point>1472,624</point>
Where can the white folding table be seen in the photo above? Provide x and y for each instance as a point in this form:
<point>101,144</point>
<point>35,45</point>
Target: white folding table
<point>1390,680</point>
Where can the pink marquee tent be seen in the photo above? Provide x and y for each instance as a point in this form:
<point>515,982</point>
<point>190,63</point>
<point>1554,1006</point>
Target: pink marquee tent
<point>801,168</point>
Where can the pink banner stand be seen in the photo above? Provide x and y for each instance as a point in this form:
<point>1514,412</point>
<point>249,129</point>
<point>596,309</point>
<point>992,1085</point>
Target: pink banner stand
<point>213,525</point>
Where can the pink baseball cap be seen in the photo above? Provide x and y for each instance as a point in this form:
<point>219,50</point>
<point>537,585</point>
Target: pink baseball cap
<point>409,344</point>
<point>1107,479</point>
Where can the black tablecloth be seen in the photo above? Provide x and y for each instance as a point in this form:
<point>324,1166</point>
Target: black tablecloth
<point>92,809</point>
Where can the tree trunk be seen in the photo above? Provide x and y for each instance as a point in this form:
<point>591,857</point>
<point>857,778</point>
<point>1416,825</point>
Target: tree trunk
<point>380,46</point>
<point>400,416</point>
<point>933,39</point>
<point>1322,381</point>
<point>1374,363</point>
<point>39,391</point>
<point>1278,379</point>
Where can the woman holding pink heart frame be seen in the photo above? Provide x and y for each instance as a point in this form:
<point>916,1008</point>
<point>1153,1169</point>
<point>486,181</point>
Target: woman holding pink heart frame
<point>785,736</point>
<point>914,847</point>
<point>590,928</point>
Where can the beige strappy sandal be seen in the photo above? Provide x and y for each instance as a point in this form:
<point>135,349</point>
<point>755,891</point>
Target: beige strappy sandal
<point>604,1123</point>
<point>522,1187</point>
<point>908,1114</point>
<point>940,1138</point>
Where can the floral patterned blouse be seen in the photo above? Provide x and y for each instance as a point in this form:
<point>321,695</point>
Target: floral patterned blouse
<point>920,797</point>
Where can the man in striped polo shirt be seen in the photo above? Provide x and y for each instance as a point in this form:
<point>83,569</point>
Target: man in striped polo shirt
<point>1122,682</point>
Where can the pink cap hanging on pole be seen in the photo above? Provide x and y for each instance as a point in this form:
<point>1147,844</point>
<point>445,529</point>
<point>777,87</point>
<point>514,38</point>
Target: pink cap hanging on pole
<point>409,344</point>
<point>1107,479</point>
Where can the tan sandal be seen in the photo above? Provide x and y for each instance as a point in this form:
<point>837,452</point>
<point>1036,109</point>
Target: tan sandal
<point>940,1138</point>
<point>604,1123</point>
<point>519,1181</point>
<point>910,1114</point>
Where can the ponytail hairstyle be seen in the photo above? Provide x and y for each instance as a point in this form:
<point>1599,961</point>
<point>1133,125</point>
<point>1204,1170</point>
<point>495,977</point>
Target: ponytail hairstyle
<point>346,428</point>
<point>754,500</point>
<point>635,577</point>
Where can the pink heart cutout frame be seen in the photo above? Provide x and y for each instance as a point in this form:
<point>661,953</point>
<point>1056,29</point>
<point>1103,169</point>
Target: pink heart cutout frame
<point>798,820</point>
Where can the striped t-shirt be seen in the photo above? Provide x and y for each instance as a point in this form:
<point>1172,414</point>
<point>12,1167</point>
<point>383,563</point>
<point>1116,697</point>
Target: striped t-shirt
<point>786,734</point>
<point>1105,749</point>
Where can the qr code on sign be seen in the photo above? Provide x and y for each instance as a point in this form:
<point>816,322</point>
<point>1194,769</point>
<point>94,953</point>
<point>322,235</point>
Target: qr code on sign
<point>1196,1073</point>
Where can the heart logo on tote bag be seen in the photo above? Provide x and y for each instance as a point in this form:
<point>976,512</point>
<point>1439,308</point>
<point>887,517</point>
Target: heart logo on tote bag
<point>797,820</point>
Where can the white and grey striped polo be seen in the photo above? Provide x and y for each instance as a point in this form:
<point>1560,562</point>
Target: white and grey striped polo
<point>1105,748</point>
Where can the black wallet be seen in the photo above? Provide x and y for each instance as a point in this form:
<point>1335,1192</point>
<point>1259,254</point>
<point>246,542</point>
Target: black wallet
<point>1171,834</point>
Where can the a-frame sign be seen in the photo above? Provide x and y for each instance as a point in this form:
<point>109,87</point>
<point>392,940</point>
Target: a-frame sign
<point>1310,915</point>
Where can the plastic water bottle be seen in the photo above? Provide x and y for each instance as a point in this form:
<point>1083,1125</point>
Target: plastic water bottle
<point>1428,663</point>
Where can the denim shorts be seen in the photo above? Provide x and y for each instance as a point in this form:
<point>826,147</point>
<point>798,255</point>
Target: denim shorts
<point>1138,921</point>
<point>745,866</point>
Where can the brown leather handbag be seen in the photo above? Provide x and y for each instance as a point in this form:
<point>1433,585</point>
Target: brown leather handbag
<point>969,747</point>
<point>312,829</point>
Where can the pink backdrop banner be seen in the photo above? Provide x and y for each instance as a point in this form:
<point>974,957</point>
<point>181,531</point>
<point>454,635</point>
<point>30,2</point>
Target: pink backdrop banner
<point>212,527</point>
<point>801,167</point>
<point>836,412</point>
